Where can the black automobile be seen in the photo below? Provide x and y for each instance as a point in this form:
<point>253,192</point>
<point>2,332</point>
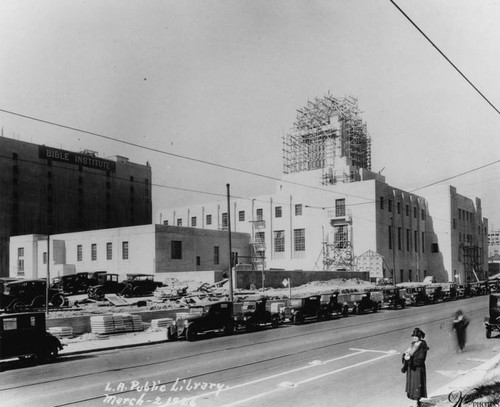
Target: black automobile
<point>300,309</point>
<point>21,294</point>
<point>254,314</point>
<point>204,318</point>
<point>359,303</point>
<point>492,322</point>
<point>392,298</point>
<point>72,284</point>
<point>333,305</point>
<point>104,283</point>
<point>140,284</point>
<point>24,335</point>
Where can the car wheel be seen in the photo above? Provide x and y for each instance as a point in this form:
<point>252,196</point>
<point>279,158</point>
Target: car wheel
<point>127,291</point>
<point>229,328</point>
<point>18,306</point>
<point>50,355</point>
<point>375,308</point>
<point>57,300</point>
<point>488,333</point>
<point>275,321</point>
<point>191,333</point>
<point>403,305</point>
<point>38,302</point>
<point>137,291</point>
<point>171,334</point>
<point>298,319</point>
<point>345,311</point>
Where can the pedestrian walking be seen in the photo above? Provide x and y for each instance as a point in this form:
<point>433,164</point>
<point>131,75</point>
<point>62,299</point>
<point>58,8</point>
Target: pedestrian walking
<point>414,367</point>
<point>460,324</point>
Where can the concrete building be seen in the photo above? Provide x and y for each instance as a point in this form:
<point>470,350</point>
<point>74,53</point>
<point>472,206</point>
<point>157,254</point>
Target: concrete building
<point>331,212</point>
<point>152,249</point>
<point>47,190</point>
<point>494,244</point>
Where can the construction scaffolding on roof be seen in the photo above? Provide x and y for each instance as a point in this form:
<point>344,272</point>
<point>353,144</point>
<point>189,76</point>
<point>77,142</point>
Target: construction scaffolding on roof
<point>326,130</point>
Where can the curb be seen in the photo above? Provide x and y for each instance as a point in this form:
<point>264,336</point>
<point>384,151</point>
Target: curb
<point>111,347</point>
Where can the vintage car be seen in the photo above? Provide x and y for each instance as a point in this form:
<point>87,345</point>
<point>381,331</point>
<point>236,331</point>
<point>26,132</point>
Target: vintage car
<point>255,314</point>
<point>203,318</point>
<point>332,304</point>
<point>393,298</point>
<point>72,283</point>
<point>140,284</point>
<point>104,283</point>
<point>361,302</point>
<point>21,294</point>
<point>24,335</point>
<point>492,322</point>
<point>434,293</point>
<point>449,291</point>
<point>300,309</point>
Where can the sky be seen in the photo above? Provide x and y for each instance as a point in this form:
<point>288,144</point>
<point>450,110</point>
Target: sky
<point>174,83</point>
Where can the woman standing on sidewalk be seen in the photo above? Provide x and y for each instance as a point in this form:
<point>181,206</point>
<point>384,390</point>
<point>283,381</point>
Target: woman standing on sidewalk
<point>460,324</point>
<point>414,366</point>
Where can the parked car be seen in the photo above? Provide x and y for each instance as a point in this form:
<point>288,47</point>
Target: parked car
<point>434,293</point>
<point>449,291</point>
<point>359,303</point>
<point>72,284</point>
<point>255,314</point>
<point>492,322</point>
<point>393,298</point>
<point>24,335</point>
<point>140,284</point>
<point>300,309</point>
<point>209,317</point>
<point>19,294</point>
<point>331,305</point>
<point>104,283</point>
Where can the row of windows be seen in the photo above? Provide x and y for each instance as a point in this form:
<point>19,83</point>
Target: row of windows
<point>399,207</point>
<point>411,239</point>
<point>299,240</point>
<point>278,213</point>
<point>176,252</point>
<point>109,251</point>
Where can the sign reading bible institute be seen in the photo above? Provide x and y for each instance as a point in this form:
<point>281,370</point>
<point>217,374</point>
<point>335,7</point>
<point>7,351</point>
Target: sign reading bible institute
<point>68,157</point>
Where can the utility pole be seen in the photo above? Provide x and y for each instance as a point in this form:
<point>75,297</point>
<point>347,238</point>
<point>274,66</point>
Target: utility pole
<point>48,277</point>
<point>230,274</point>
<point>393,253</point>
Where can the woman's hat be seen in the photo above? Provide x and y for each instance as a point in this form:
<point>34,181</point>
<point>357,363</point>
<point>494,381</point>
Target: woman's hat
<point>418,333</point>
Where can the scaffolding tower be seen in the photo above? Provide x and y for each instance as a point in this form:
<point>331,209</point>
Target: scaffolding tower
<point>325,130</point>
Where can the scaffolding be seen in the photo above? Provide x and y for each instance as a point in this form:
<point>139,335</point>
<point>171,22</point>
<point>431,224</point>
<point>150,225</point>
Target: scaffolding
<point>326,130</point>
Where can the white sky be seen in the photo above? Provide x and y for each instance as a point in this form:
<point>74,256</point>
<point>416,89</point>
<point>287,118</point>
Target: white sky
<point>221,81</point>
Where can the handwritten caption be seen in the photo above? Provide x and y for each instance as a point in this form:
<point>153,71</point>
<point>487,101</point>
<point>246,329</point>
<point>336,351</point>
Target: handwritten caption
<point>170,393</point>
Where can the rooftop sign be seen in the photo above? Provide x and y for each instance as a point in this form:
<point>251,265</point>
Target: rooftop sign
<point>68,157</point>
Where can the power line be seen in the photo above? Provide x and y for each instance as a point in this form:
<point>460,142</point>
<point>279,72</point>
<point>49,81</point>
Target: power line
<point>444,56</point>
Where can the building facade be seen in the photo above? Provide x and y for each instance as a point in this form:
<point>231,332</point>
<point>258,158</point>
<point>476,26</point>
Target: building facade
<point>47,190</point>
<point>150,249</point>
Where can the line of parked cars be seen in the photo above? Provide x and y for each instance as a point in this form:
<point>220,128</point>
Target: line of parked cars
<point>257,311</point>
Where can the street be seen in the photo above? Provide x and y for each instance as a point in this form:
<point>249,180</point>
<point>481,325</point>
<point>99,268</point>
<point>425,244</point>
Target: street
<point>352,361</point>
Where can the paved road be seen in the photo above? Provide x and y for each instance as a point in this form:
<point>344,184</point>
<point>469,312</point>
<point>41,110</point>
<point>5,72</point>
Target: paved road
<point>353,361</point>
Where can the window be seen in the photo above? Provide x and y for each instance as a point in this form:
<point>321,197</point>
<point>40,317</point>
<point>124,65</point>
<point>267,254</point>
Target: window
<point>407,210</point>
<point>389,205</point>
<point>224,220</point>
<point>260,237</point>
<point>415,212</point>
<point>44,257</point>
<point>434,248</point>
<point>298,210</point>
<point>216,254</point>
<point>340,207</point>
<point>381,202</point>
<point>125,250</point>
<point>299,240</point>
<point>176,249</point>
<point>79,252</point>
<point>260,214</point>
<point>454,223</point>
<point>422,214</point>
<point>20,252</point>
<point>390,237</point>
<point>341,236</point>
<point>241,216</point>
<point>408,239</point>
<point>193,221</point>
<point>93,251</point>
<point>165,222</point>
<point>198,260</point>
<point>277,212</point>
<point>399,208</point>
<point>109,251</point>
<point>415,240</point>
<point>209,219</point>
<point>409,275</point>
<point>279,241</point>
<point>423,242</point>
<point>179,222</point>
<point>399,238</point>
<point>401,275</point>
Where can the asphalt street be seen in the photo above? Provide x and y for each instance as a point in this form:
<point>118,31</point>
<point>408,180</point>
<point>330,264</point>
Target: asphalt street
<point>352,361</point>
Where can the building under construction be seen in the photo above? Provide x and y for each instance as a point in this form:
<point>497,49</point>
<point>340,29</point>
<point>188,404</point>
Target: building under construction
<point>328,134</point>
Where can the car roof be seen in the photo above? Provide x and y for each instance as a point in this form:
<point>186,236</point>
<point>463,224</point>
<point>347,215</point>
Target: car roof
<point>205,303</point>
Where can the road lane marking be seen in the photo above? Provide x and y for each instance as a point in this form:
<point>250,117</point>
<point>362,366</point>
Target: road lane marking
<point>391,352</point>
<point>298,369</point>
